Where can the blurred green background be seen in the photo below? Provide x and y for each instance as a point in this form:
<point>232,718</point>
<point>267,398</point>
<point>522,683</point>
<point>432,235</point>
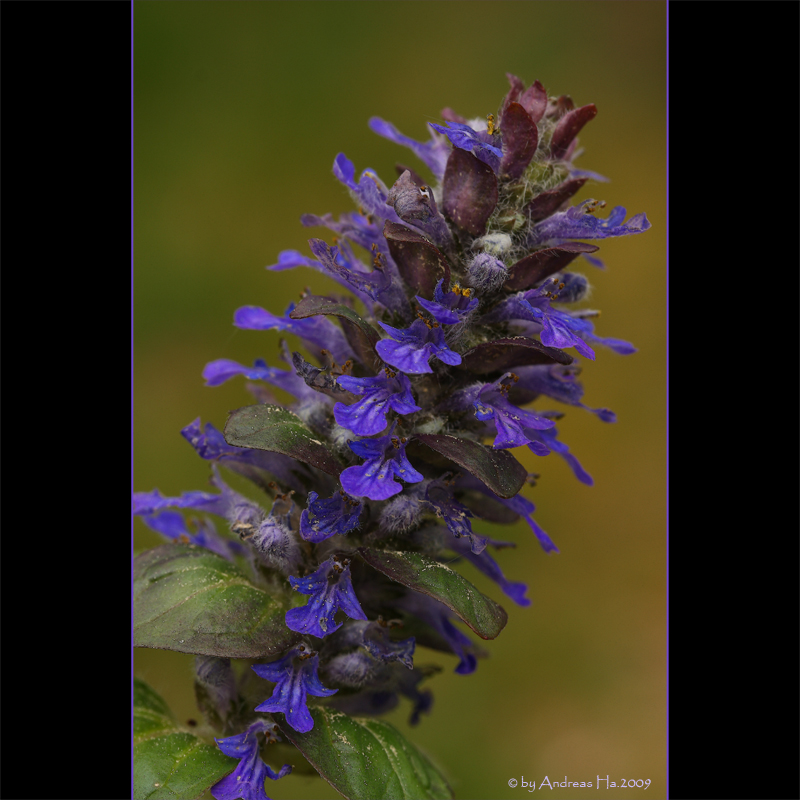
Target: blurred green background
<point>239,111</point>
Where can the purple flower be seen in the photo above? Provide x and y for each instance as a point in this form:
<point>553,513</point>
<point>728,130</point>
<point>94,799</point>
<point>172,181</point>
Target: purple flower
<point>558,329</point>
<point>270,535</point>
<point>437,615</point>
<point>514,426</point>
<point>381,285</point>
<point>366,417</point>
<point>331,589</point>
<point>518,504</point>
<point>223,369</point>
<point>296,677</point>
<point>578,222</point>
<point>545,441</point>
<point>172,525</point>
<point>454,514</point>
<point>559,382</point>
<point>385,461</point>
<point>433,153</point>
<point>413,347</point>
<point>289,259</point>
<point>325,518</point>
<point>375,637</point>
<point>475,142</point>
<point>489,567</point>
<point>369,193</point>
<point>353,226</point>
<point>449,308</point>
<point>318,331</point>
<point>524,507</point>
<point>247,780</point>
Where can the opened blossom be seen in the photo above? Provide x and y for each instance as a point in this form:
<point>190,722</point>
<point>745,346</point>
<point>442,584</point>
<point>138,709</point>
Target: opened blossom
<point>386,392</point>
<point>330,588</point>
<point>295,677</point>
<point>247,780</point>
<point>385,464</point>
<point>410,349</point>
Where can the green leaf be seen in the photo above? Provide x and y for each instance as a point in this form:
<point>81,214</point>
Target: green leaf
<point>366,759</point>
<point>426,575</point>
<point>274,428</point>
<point>361,336</point>
<point>168,760</point>
<point>498,469</point>
<point>188,599</point>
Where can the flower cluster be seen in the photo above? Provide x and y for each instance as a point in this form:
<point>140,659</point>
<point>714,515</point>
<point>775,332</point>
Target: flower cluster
<point>462,308</point>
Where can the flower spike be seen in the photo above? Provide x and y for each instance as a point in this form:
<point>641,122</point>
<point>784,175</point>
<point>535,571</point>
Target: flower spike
<point>455,318</point>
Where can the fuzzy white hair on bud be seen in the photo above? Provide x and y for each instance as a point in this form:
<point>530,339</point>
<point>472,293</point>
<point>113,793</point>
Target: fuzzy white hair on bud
<point>495,244</point>
<point>432,425</point>
<point>340,436</point>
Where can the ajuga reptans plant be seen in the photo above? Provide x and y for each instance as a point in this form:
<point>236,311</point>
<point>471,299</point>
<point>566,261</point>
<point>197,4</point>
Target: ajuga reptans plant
<point>412,390</point>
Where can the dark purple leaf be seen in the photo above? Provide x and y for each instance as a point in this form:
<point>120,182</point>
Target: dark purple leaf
<point>517,87</point>
<point>513,351</point>
<point>268,427</point>
<point>421,263</point>
<point>568,127</point>
<point>428,576</point>
<point>486,508</point>
<point>534,101</point>
<point>520,139</point>
<point>470,191</point>
<point>542,264</point>
<point>498,469</point>
<point>546,203</point>
<point>361,336</point>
